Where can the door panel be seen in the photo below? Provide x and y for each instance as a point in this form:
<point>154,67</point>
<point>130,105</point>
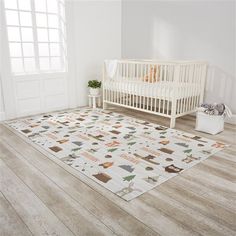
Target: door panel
<point>27,89</point>
<point>28,106</point>
<point>40,93</point>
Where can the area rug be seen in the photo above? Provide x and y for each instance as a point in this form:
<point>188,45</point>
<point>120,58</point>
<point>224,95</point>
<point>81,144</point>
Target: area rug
<point>123,154</point>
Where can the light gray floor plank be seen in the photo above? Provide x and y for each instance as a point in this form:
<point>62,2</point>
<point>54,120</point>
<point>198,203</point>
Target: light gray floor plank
<point>70,212</point>
<point>197,202</point>
<point>225,187</point>
<point>222,164</point>
<point>10,223</point>
<point>217,218</point>
<point>39,219</point>
<point>206,191</point>
<point>109,213</point>
<point>184,214</point>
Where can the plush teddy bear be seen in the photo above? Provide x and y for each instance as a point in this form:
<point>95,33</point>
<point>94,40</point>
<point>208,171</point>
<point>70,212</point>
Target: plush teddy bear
<point>153,76</point>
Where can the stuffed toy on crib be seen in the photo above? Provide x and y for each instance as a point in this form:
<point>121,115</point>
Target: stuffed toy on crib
<point>153,75</point>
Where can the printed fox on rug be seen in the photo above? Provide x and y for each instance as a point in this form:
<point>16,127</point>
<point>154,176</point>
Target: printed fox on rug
<point>125,155</point>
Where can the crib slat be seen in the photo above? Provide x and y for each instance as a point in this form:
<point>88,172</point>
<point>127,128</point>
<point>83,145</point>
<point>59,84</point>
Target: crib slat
<point>188,90</point>
<point>151,72</point>
<point>191,90</point>
<point>168,92</point>
<point>195,81</point>
<point>169,78</point>
<point>131,74</point>
<point>159,99</point>
<point>132,86</point>
<point>193,74</point>
<point>185,90</point>
<point>161,72</point>
<point>112,95</point>
<point>138,75</point>
<point>168,100</point>
<point>119,76</point>
<point>122,80</point>
<point>151,99</point>
<point>155,105</point>
<point>147,88</point>
<point>201,69</point>
<point>124,85</point>
<point>142,94</point>
<point>127,89</point>
<point>181,90</point>
<point>165,89</point>
<point>199,82</point>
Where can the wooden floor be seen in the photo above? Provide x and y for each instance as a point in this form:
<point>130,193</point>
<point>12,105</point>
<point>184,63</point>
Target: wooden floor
<point>41,197</point>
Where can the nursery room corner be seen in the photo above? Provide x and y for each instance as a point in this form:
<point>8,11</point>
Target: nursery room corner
<point>117,117</point>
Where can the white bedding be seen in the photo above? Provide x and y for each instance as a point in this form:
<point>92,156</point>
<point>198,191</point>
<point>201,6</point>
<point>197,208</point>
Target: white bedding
<point>155,90</point>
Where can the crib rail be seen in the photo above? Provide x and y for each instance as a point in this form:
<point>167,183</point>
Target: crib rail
<point>170,89</point>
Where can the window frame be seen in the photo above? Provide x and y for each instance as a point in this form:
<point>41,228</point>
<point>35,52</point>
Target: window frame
<point>61,27</point>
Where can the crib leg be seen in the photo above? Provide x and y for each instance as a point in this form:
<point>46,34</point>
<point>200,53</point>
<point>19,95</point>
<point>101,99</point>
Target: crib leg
<point>172,122</point>
<point>173,113</point>
<point>104,106</point>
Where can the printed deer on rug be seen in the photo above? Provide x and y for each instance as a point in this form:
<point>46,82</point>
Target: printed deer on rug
<point>126,190</point>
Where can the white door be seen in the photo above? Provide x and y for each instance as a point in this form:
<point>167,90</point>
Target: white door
<point>34,68</point>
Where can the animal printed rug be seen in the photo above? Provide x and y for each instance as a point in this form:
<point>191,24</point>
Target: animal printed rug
<point>125,155</point>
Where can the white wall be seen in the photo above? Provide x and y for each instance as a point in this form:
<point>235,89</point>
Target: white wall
<point>186,30</point>
<point>95,35</point>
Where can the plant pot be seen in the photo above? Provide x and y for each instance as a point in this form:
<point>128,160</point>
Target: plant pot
<point>94,91</point>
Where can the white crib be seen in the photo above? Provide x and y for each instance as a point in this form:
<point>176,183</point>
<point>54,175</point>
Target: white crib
<point>171,89</point>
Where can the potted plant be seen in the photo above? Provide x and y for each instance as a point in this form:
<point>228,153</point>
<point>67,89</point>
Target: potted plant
<point>94,87</point>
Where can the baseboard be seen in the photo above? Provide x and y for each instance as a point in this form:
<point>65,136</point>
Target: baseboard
<point>2,116</point>
<point>231,120</point>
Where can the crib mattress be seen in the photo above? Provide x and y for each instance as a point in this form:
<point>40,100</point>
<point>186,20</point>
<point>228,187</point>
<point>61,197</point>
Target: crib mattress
<point>162,89</point>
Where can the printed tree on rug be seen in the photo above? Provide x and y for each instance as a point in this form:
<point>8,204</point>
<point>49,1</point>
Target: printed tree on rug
<point>129,178</point>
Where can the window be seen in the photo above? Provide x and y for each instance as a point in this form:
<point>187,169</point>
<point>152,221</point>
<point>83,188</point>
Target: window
<point>36,35</point>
